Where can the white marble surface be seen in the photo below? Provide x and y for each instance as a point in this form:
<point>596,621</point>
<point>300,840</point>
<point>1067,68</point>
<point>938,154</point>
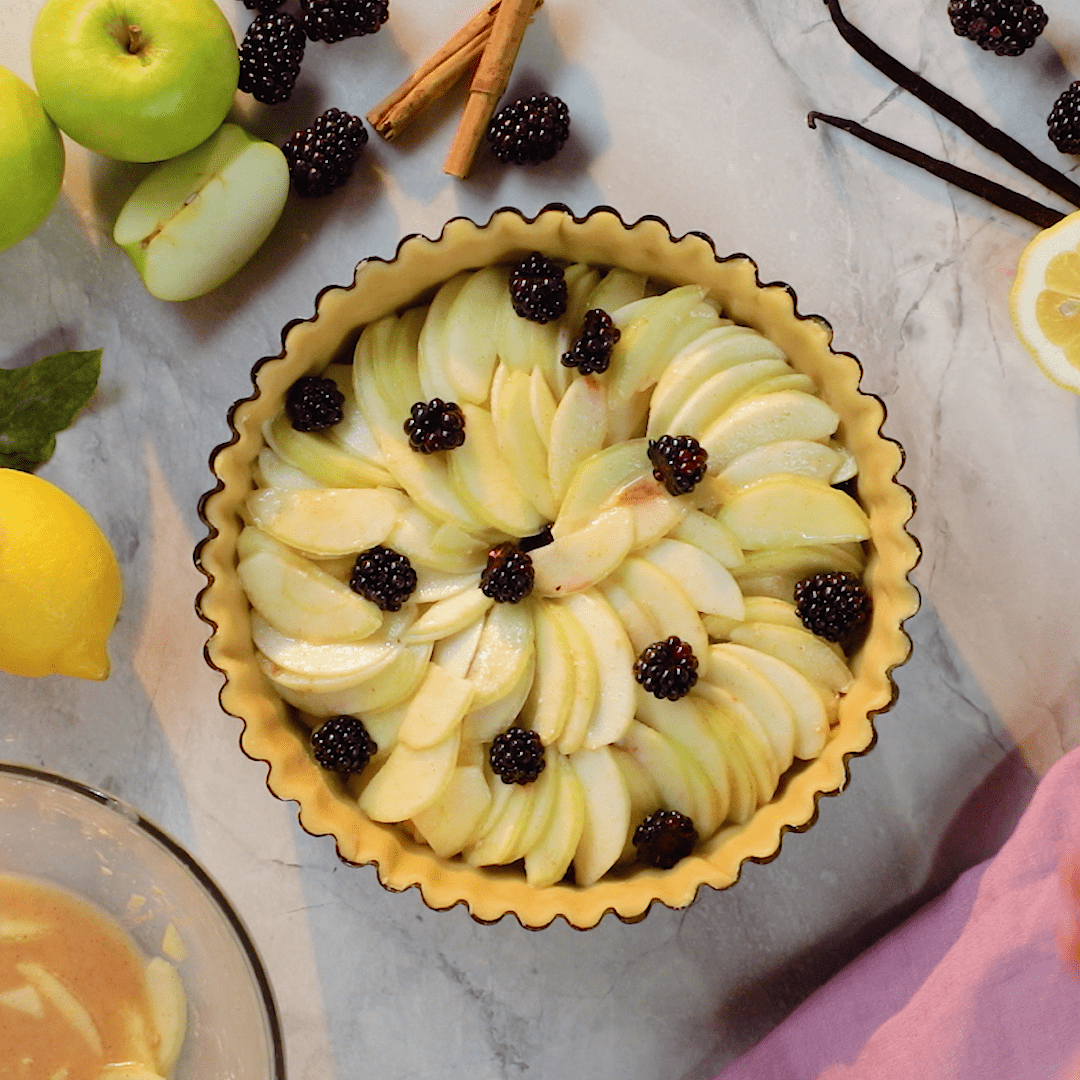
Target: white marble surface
<point>694,111</point>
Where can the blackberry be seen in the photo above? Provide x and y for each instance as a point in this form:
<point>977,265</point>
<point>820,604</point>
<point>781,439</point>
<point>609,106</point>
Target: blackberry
<point>321,157</point>
<point>435,425</point>
<point>517,756</point>
<point>665,837</point>
<point>270,56</point>
<point>383,576</point>
<point>529,130</point>
<point>591,351</point>
<point>678,462</point>
<point>1064,121</point>
<point>508,576</point>
<point>314,404</point>
<point>667,669</point>
<point>832,605</point>
<point>1005,27</point>
<point>335,20</point>
<point>263,5</point>
<point>342,744</point>
<point>538,289</point>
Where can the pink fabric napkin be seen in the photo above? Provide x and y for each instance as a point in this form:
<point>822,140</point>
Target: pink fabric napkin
<point>982,983</point>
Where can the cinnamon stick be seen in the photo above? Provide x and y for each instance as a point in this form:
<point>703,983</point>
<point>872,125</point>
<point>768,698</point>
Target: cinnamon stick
<point>436,75</point>
<point>489,83</point>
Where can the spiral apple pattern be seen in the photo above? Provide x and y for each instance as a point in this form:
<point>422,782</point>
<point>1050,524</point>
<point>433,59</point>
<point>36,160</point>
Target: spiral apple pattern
<point>628,565</point>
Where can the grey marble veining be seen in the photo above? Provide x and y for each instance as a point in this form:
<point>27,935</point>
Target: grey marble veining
<point>694,111</point>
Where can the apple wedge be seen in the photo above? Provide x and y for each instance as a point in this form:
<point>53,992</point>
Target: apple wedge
<point>390,686</point>
<point>665,602</point>
<point>484,723</point>
<point>485,482</point>
<point>352,431</point>
<point>586,680</point>
<point>598,482</point>
<point>614,708</point>
<point>436,544</point>
<point>793,511</point>
<point>297,598</point>
<point>324,522</point>
<point>638,624</point>
<point>617,288</point>
<point>446,617</point>
<point>775,573</point>
<point>410,780</point>
<point>272,472</point>
<point>448,823</point>
<point>520,443</point>
<point>432,347</point>
<point>607,814</point>
<point>808,654</point>
<point>455,652</point>
<point>470,345</point>
<point>543,405</point>
<point>437,708</point>
<point>665,764</point>
<point>435,585</point>
<point>548,862</point>
<point>325,461</point>
<point>789,414</point>
<point>644,797</point>
<point>503,652</point>
<point>578,431</point>
<point>811,722</point>
<point>497,844</point>
<point>698,574</point>
<point>743,790</point>
<point>578,560</point>
<point>706,533</point>
<point>552,692</point>
<point>196,219</point>
<point>542,809</point>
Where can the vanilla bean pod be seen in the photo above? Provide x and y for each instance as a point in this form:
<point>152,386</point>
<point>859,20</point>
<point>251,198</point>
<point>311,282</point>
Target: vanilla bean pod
<point>1036,213</point>
<point>994,139</point>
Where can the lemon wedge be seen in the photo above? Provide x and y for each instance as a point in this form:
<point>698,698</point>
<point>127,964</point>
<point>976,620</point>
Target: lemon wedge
<point>1045,301</point>
<point>60,585</point>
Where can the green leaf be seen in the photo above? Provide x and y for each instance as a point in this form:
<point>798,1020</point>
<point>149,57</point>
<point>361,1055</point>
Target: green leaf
<point>40,399</point>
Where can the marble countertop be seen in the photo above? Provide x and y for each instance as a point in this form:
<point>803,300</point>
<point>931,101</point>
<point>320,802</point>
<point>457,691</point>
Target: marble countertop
<point>696,112</point>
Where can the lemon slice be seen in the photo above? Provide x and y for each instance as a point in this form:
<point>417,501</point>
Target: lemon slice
<point>1045,301</point>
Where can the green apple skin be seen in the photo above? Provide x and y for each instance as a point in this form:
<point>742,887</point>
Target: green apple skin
<point>165,98</point>
<point>31,160</point>
<point>195,220</point>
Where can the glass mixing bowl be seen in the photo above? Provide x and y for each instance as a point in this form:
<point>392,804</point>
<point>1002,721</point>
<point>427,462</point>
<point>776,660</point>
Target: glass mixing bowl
<point>98,847</point>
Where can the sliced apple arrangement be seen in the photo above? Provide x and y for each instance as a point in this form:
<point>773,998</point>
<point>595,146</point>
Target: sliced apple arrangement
<point>500,612</point>
<point>552,460</point>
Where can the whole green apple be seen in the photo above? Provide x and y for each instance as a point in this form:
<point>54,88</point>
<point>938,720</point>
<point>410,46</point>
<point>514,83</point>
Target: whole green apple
<point>137,80</point>
<point>31,160</point>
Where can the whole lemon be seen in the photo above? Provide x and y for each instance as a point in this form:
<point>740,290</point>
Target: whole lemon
<point>60,585</point>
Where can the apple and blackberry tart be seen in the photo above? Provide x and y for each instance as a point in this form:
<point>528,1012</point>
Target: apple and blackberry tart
<point>557,566</point>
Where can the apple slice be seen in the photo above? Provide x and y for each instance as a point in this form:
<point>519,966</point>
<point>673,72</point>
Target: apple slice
<point>717,350</point>
<point>432,347</point>
<point>377,401</point>
<point>437,709</point>
<point>435,585</point>
<point>395,363</point>
<point>523,344</point>
<point>272,472</point>
<point>436,544</point>
<point>614,708</point>
<point>496,846</point>
<point>728,668</point>
<point>542,811</point>
<point>410,780</point>
<point>665,602</point>
<point>504,650</point>
<point>578,560</point>
<point>329,463</point>
<point>639,626</point>
<point>353,431</point>
<point>586,680</point>
<point>551,694</point>
<point>665,764</point>
<point>743,793</point>
<point>455,652</point>
<point>768,609</point>
<point>577,431</point>
<point>168,1010</point>
<point>793,511</point>
<point>706,533</point>
<point>484,723</point>
<point>548,862</point>
<point>791,380</point>
<point>607,814</point>
<point>470,341</point>
<point>789,414</point>
<point>543,405</point>
<point>713,588</point>
<point>446,617</point>
<point>776,573</point>
<point>709,401</point>
<point>393,684</point>
<point>811,722</point>
<point>297,598</point>
<point>808,654</point>
<point>196,219</point>
<point>644,797</point>
<point>326,521</point>
<point>485,482</point>
<point>598,482</point>
<point>616,289</point>
<point>654,511</point>
<point>520,444</point>
<point>449,823</point>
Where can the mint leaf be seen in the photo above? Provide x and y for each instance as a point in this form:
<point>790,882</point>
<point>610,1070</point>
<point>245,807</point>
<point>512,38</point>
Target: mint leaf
<point>40,399</point>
